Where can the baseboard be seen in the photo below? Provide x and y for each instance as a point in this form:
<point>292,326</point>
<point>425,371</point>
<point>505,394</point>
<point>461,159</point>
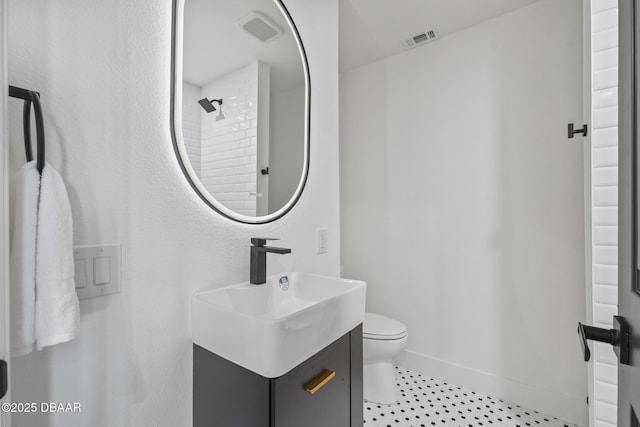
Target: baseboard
<point>567,408</point>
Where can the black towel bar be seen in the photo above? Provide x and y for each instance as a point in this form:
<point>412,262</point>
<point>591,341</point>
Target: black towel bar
<point>31,97</point>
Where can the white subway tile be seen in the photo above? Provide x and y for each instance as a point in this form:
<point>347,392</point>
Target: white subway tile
<point>603,353</point>
<point>605,294</point>
<point>604,40</point>
<point>605,98</point>
<point>605,275</point>
<point>607,255</point>
<point>604,79</point>
<point>605,157</point>
<point>604,215</point>
<point>598,6</point>
<point>607,137</point>
<point>606,20</point>
<point>605,117</point>
<point>605,235</point>
<point>605,196</point>
<point>606,412</point>
<point>603,313</point>
<point>604,177</point>
<point>605,59</point>
<point>607,391</point>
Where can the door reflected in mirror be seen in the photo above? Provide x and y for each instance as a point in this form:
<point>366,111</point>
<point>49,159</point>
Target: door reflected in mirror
<point>240,110</point>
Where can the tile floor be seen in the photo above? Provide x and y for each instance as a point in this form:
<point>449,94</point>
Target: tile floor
<point>429,402</point>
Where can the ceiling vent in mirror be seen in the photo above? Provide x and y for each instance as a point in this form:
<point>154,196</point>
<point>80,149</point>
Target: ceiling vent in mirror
<point>260,26</point>
<point>419,39</point>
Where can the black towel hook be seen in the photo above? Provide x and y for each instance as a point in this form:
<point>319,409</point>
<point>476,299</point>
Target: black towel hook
<point>31,97</point>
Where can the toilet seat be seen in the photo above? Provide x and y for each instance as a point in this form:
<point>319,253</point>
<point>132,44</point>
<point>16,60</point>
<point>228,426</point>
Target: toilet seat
<point>377,327</point>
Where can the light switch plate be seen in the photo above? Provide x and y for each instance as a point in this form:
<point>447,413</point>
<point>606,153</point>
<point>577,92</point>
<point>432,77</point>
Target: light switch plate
<point>80,277</point>
<point>101,270</point>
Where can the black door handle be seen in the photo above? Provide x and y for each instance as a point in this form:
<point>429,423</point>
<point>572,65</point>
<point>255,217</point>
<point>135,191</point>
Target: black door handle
<point>4,380</point>
<point>618,337</point>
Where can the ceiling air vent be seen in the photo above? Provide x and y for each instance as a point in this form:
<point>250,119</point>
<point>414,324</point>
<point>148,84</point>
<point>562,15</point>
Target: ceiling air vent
<point>419,39</point>
<point>260,26</point>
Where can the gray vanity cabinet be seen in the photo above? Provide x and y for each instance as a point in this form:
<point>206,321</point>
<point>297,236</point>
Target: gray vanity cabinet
<point>227,395</point>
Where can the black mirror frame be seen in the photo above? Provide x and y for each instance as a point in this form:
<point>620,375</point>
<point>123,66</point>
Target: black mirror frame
<point>172,99</point>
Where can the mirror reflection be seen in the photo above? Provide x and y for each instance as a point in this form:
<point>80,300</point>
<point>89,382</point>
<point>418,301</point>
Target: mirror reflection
<point>244,104</point>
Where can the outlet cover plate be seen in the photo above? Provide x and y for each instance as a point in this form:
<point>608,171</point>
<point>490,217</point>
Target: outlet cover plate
<point>322,240</point>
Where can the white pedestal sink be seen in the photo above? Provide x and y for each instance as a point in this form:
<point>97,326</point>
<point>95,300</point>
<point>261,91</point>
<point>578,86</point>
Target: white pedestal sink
<point>271,328</point>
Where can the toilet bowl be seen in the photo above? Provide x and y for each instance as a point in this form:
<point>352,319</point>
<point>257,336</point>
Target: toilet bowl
<point>383,338</point>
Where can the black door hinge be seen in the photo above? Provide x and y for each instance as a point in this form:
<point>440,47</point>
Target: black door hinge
<point>572,132</point>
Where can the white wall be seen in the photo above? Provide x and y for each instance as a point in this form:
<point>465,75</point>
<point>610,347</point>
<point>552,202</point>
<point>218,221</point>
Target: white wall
<point>103,68</point>
<point>604,201</point>
<point>462,203</point>
<point>286,152</point>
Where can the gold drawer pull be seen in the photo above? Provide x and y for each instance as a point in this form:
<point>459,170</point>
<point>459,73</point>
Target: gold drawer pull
<point>319,381</point>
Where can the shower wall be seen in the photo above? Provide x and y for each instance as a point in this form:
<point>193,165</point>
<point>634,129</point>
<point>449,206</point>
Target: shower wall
<point>259,122</point>
<point>224,152</point>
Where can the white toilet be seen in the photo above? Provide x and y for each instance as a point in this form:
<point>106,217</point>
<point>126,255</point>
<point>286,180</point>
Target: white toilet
<point>383,338</point>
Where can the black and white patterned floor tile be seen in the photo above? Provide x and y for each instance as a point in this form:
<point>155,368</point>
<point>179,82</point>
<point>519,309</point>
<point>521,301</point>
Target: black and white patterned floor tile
<point>429,402</point>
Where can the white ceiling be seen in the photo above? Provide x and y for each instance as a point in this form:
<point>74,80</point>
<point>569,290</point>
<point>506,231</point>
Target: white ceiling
<point>369,31</point>
<point>373,29</point>
<point>214,45</point>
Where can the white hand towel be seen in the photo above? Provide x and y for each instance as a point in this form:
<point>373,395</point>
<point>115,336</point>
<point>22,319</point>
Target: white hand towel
<point>23,259</point>
<point>57,317</point>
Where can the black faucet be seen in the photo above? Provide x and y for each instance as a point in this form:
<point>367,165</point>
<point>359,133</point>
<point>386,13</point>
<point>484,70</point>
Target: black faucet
<point>259,251</point>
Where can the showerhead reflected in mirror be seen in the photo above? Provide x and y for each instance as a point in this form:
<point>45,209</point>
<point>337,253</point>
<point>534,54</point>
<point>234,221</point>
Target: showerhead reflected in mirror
<point>240,105</point>
<point>208,107</point>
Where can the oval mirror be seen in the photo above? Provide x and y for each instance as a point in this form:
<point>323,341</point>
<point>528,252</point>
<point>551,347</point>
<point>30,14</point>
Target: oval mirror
<point>240,105</point>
